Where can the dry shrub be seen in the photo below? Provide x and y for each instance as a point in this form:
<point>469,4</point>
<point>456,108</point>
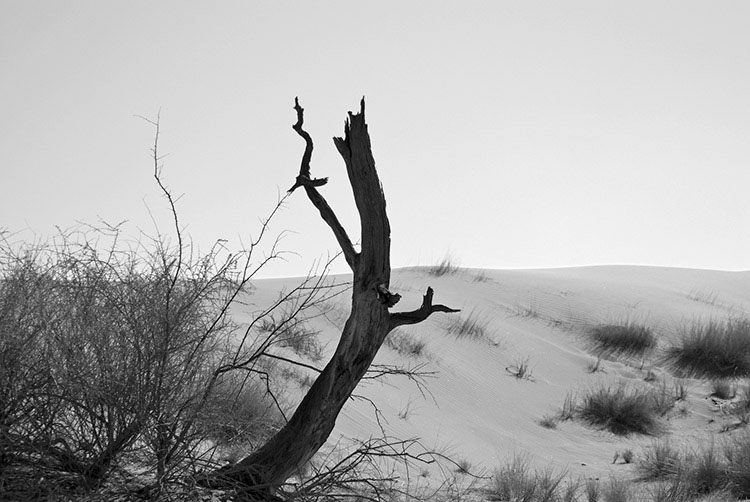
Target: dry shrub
<point>112,356</point>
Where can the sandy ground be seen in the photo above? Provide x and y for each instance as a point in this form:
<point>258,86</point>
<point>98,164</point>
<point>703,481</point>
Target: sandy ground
<point>475,411</point>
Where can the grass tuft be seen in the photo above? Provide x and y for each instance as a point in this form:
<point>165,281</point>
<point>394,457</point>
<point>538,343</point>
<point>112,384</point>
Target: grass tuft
<point>463,467</point>
<point>521,369</point>
<point>622,410</point>
<point>628,339</point>
<point>515,481</point>
<point>471,326</point>
<point>482,276</point>
<point>713,349</point>
<point>446,266</point>
<point>548,422</point>
<point>709,473</point>
<point>723,389</point>
<point>617,490</point>
<point>594,366</point>
<point>659,461</point>
<point>405,343</point>
<point>569,407</point>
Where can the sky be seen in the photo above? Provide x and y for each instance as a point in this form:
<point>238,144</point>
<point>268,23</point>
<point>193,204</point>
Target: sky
<point>507,134</point>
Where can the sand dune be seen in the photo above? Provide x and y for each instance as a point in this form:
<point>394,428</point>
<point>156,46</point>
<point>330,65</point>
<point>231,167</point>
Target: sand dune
<point>475,410</point>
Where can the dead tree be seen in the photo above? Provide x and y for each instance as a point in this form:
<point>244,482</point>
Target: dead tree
<point>266,469</point>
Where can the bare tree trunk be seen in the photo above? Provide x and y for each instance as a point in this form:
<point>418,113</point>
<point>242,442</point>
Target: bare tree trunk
<point>368,324</point>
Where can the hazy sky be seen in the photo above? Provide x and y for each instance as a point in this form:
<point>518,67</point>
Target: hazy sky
<point>511,134</point>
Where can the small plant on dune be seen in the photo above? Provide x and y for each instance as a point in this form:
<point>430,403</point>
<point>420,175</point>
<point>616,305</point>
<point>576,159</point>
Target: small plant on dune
<point>621,410</point>
<point>628,339</point>
<point>707,297</point>
<point>625,455</point>
<point>713,349</point>
<point>527,309</point>
<point>663,399</point>
<point>708,473</point>
<point>463,466</point>
<point>548,422</point>
<point>683,409</point>
<point>471,326</point>
<point>515,481</point>
<point>675,489</point>
<point>568,410</point>
<point>482,276</point>
<point>659,461</point>
<point>737,454</point>
<point>447,266</point>
<point>404,343</point>
<point>548,484</point>
<point>512,482</point>
<point>704,472</point>
<point>680,390</point>
<point>592,490</point>
<point>723,389</point>
<point>521,369</point>
<point>293,333</point>
<point>594,366</point>
<point>741,408</point>
<point>616,490</point>
<point>570,494</point>
<point>405,412</point>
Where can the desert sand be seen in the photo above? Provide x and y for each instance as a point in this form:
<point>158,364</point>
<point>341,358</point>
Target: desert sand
<point>474,409</point>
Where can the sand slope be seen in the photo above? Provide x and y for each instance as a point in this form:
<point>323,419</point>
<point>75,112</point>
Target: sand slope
<point>475,410</point>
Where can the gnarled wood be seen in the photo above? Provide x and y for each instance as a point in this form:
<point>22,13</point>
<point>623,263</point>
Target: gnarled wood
<point>422,313</point>
<point>363,334</point>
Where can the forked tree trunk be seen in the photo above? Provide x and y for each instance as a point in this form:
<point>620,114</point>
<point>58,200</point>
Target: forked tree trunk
<point>369,322</point>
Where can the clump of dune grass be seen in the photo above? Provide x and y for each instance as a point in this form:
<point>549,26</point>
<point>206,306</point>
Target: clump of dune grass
<point>294,334</point>
<point>741,409</point>
<point>680,390</point>
<point>616,490</point>
<point>594,366</point>
<point>663,398</point>
<point>529,308</point>
<point>737,454</point>
<point>713,349</point>
<point>622,409</point>
<point>569,407</point>
<point>474,325</point>
<point>446,266</point>
<point>707,471</point>
<point>548,422</point>
<point>404,343</point>
<point>516,481</point>
<point>627,456</point>
<point>723,389</point>
<point>482,276</point>
<point>592,490</point>
<point>660,460</point>
<point>707,297</point>
<point>521,369</point>
<point>627,339</point>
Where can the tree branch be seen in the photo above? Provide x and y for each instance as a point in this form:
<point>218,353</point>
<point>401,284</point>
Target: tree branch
<point>304,180</point>
<point>422,313</point>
